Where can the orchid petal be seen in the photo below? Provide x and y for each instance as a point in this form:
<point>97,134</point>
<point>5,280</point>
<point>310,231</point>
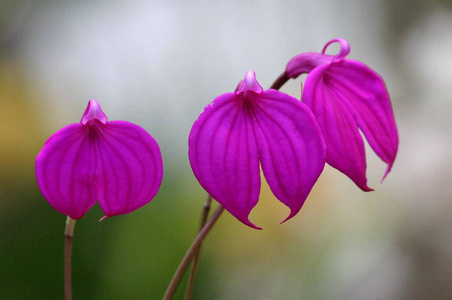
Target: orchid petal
<point>345,146</point>
<point>305,63</point>
<point>291,147</point>
<point>223,155</point>
<point>66,169</point>
<point>364,93</point>
<point>129,167</point>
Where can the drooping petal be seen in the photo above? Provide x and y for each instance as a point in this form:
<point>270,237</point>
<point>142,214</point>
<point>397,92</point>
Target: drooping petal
<point>360,97</point>
<point>344,144</point>
<point>306,62</point>
<point>364,93</point>
<point>129,167</point>
<point>66,169</point>
<point>223,155</point>
<point>291,147</point>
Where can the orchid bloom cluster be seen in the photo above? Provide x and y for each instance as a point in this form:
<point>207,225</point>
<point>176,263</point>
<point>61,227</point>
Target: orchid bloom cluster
<point>238,130</point>
<point>119,164</point>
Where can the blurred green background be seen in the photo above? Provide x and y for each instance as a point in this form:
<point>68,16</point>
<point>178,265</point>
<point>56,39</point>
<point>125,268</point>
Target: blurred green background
<point>157,64</point>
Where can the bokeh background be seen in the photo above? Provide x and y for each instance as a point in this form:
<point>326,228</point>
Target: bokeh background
<point>157,64</point>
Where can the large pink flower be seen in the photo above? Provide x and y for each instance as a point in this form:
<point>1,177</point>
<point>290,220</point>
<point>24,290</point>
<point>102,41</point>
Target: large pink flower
<point>345,95</point>
<point>238,130</point>
<point>117,163</point>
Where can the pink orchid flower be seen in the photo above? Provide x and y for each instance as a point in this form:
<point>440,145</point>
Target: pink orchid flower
<point>240,130</point>
<point>345,95</point>
<point>117,163</point>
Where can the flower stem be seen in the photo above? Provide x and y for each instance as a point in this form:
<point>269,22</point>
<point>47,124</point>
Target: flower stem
<point>194,265</point>
<point>280,81</point>
<point>68,234</point>
<point>190,254</point>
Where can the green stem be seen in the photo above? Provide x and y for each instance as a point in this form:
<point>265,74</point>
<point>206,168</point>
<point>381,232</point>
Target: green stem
<point>194,265</point>
<point>69,235</point>
<point>191,253</point>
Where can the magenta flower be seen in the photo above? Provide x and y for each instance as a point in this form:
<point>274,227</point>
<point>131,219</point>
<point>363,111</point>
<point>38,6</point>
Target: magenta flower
<point>238,130</point>
<point>345,95</point>
<point>117,163</point>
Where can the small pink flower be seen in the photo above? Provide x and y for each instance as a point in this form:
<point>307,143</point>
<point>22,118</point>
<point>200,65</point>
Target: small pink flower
<point>239,131</point>
<point>345,95</point>
<point>117,163</point>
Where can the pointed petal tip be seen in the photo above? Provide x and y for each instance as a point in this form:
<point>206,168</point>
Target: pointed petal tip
<point>286,219</point>
<point>253,226</point>
<point>103,218</point>
<point>247,222</point>
<point>362,185</point>
<point>365,188</point>
<point>368,189</point>
<point>292,214</point>
<point>93,111</point>
<point>388,169</point>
